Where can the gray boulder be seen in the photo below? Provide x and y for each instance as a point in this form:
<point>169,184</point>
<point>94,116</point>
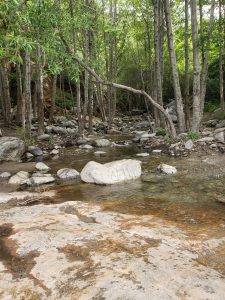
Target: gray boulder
<point>35,151</point>
<point>68,174</point>
<point>11,148</point>
<point>101,143</point>
<point>219,134</point>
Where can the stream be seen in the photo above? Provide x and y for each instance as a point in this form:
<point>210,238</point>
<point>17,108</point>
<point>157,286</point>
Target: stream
<point>158,237</point>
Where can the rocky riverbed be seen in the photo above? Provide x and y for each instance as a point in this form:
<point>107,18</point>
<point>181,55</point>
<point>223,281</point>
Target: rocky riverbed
<point>156,237</point>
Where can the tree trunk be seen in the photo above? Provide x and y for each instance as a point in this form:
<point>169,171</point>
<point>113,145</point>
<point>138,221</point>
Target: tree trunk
<point>5,92</point>
<point>176,82</point>
<point>186,80</point>
<point>39,91</point>
<point>196,69</point>
<point>123,87</point>
<point>205,66</point>
<point>221,57</point>
<point>158,79</point>
<point>27,91</point>
<point>53,96</point>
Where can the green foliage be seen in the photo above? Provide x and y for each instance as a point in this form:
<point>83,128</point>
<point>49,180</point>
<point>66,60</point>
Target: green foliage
<point>193,136</point>
<point>210,107</point>
<point>23,135</point>
<point>64,103</point>
<point>161,131</point>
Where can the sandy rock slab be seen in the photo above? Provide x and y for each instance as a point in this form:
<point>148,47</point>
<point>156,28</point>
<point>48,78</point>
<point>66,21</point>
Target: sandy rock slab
<point>77,250</point>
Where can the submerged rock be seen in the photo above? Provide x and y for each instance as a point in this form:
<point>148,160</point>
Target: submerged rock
<point>110,173</point>
<point>67,174</point>
<point>11,148</point>
<point>167,169</point>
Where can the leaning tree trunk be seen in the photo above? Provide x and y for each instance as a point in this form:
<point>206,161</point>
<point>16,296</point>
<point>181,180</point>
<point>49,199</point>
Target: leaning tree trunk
<point>123,87</point>
<point>173,62</point>
<point>196,69</point>
<point>221,57</point>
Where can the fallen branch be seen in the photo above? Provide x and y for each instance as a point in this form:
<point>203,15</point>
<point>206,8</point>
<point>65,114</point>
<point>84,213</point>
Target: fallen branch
<point>122,87</point>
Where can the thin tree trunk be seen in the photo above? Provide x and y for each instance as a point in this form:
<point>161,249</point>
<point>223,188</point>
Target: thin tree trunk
<point>186,80</point>
<point>53,97</point>
<point>205,66</point>
<point>158,79</point>
<point>176,81</point>
<point>27,91</point>
<point>5,92</point>
<point>221,57</point>
<point>39,91</point>
<point>196,69</point>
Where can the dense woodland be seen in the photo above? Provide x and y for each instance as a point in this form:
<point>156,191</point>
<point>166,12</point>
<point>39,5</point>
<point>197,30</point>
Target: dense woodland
<point>100,57</point>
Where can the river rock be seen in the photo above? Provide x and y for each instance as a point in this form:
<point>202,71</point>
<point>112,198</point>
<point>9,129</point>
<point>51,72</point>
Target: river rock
<point>110,173</point>
<point>11,148</point>
<point>36,151</point>
<point>100,153</point>
<point>101,143</point>
<point>5,175</point>
<point>44,137</point>
<point>40,166</point>
<point>157,151</point>
<point>206,139</point>
<point>219,134</point>
<point>85,146</point>
<point>142,154</point>
<point>67,174</point>
<point>167,169</point>
<point>189,145</point>
<point>19,177</point>
<point>54,152</point>
<point>38,179</point>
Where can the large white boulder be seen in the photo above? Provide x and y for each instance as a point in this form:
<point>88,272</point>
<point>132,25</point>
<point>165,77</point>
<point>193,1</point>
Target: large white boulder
<point>110,173</point>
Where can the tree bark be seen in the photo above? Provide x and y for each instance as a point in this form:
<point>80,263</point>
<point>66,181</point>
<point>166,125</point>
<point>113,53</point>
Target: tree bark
<point>53,96</point>
<point>39,91</point>
<point>158,79</point>
<point>205,66</point>
<point>176,81</point>
<point>221,56</point>
<point>5,92</point>
<point>186,79</point>
<point>196,69</point>
<point>27,91</point>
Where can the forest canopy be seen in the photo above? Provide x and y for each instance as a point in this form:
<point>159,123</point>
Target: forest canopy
<point>165,50</point>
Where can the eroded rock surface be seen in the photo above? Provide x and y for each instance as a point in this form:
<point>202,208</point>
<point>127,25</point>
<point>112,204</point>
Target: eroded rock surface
<point>77,250</point>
